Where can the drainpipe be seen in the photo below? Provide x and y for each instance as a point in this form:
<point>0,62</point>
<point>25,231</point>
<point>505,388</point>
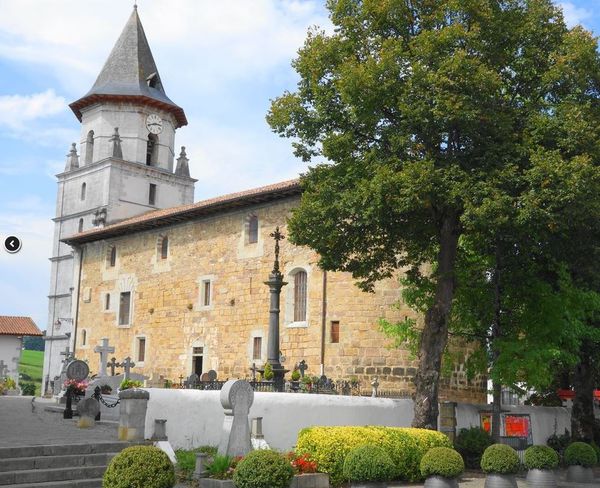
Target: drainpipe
<point>323,322</point>
<point>78,288</point>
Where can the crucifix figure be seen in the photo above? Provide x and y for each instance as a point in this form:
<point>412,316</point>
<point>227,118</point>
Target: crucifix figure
<point>302,367</point>
<point>67,354</point>
<point>3,369</point>
<point>113,365</point>
<point>104,350</point>
<point>278,236</point>
<point>127,364</point>
<point>254,370</point>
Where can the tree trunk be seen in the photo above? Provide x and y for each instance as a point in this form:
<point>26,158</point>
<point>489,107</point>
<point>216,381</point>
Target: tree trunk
<point>582,413</point>
<point>435,332</point>
<point>496,333</point>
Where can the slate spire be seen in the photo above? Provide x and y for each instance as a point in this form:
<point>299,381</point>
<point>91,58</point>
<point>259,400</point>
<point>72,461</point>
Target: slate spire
<point>130,72</point>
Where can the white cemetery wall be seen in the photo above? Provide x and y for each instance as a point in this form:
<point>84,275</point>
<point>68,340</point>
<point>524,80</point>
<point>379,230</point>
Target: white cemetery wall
<point>10,348</point>
<point>195,418</point>
<point>545,421</point>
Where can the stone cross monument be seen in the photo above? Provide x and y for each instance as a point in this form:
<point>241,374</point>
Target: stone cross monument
<point>127,364</point>
<point>275,284</point>
<point>104,350</point>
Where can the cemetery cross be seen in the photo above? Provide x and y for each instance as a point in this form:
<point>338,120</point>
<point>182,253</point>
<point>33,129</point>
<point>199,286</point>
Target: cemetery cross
<point>104,350</point>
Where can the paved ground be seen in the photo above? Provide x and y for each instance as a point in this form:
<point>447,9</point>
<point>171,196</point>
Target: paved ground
<point>23,423</point>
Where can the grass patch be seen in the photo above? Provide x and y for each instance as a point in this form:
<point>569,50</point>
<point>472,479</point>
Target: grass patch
<point>186,460</point>
<point>31,367</point>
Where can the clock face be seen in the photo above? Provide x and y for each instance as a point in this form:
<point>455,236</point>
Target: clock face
<point>154,124</point>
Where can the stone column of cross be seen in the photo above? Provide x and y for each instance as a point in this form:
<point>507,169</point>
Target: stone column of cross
<point>127,364</point>
<point>302,366</point>
<point>104,351</point>
<point>3,369</point>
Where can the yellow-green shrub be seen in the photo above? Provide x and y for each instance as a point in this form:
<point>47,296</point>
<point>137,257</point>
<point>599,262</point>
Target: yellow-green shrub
<point>328,446</point>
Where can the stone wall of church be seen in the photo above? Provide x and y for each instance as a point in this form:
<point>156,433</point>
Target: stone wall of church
<point>179,324</point>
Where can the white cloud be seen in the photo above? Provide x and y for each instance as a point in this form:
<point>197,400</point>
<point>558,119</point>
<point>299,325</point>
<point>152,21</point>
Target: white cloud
<point>203,42</point>
<point>18,110</point>
<point>27,273</point>
<point>574,15</point>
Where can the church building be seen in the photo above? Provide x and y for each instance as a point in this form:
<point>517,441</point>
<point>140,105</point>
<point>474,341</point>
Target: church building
<point>180,286</point>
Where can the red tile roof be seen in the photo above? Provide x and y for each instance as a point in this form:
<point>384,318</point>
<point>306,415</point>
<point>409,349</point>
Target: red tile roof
<point>19,326</point>
<point>168,216</point>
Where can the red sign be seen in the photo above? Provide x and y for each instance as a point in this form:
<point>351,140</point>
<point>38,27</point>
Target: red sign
<point>516,426</point>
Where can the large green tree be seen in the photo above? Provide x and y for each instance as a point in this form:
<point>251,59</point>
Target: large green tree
<point>416,106</point>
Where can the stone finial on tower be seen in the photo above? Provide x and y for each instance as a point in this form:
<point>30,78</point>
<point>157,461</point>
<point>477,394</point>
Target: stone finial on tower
<point>183,168</point>
<point>117,152</point>
<point>72,159</point>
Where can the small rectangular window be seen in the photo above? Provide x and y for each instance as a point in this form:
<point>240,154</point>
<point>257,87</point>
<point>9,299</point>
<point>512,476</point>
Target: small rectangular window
<point>253,229</point>
<point>124,308</point>
<point>141,349</point>
<point>152,194</point>
<point>113,257</point>
<point>206,293</point>
<point>300,296</point>
<point>335,331</point>
<point>107,302</point>
<point>198,350</point>
<point>257,348</point>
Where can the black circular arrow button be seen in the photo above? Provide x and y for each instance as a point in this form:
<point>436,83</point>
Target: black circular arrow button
<point>12,244</point>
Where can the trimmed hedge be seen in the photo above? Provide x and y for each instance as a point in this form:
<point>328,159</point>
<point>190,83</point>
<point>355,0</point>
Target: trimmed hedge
<point>263,469</point>
<point>329,446</point>
<point>471,443</point>
<point>140,467</point>
<point>500,459</point>
<point>442,461</point>
<point>368,463</point>
<point>541,457</point>
<point>580,454</point>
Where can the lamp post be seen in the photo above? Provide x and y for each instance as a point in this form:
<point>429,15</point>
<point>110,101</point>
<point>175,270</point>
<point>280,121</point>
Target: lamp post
<point>275,283</point>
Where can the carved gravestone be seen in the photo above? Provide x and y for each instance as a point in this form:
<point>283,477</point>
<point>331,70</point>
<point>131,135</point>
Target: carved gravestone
<point>237,397</point>
<point>212,375</point>
<point>204,377</point>
<point>192,380</point>
<point>87,409</point>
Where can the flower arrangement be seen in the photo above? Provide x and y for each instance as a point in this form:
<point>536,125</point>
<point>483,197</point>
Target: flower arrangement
<point>302,463</point>
<point>76,387</point>
<point>105,389</point>
<point>295,375</point>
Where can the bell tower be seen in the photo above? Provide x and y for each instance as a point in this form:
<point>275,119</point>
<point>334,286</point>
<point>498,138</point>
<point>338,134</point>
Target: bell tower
<point>125,166</point>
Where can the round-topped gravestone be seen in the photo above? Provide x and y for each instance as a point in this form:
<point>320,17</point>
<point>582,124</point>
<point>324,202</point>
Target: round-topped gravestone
<point>212,375</point>
<point>204,377</point>
<point>78,370</point>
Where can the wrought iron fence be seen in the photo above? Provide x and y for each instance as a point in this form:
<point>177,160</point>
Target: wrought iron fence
<point>323,386</point>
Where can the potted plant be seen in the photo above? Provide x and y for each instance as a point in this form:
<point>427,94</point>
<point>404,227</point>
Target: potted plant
<point>441,466</point>
<point>10,387</point>
<point>306,383</point>
<point>500,463</point>
<point>580,457</point>
<point>128,384</point>
<point>295,384</point>
<point>268,372</point>
<point>368,466</point>
<point>75,388</point>
<point>105,389</point>
<point>471,443</point>
<point>540,462</point>
<point>220,472</point>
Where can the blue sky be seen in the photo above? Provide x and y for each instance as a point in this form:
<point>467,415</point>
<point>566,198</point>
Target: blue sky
<point>221,60</point>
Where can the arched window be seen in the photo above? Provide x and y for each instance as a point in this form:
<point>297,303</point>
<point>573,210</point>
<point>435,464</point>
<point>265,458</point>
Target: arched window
<point>80,228</point>
<point>252,229</point>
<point>300,296</point>
<point>83,191</point>
<point>89,147</point>
<point>151,150</point>
<point>83,337</point>
<point>164,247</point>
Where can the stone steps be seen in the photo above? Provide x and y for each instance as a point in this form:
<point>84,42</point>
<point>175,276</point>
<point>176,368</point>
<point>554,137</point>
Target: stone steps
<point>55,466</point>
<point>95,483</point>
